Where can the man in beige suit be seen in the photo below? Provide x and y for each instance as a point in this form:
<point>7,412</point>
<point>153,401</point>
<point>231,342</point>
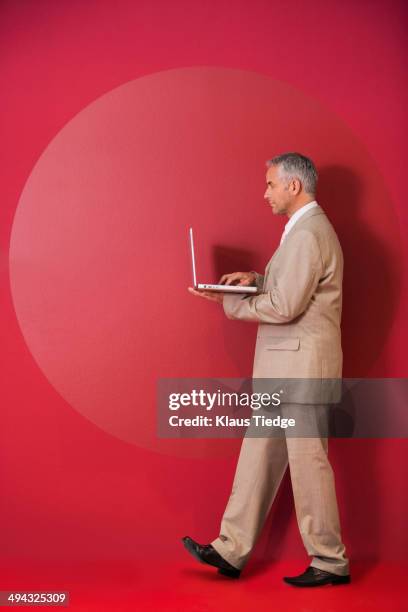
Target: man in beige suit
<point>298,311</point>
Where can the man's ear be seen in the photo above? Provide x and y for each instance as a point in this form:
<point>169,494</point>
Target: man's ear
<point>295,186</point>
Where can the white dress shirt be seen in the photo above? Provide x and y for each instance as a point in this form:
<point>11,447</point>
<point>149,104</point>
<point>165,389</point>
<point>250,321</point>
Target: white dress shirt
<point>296,216</point>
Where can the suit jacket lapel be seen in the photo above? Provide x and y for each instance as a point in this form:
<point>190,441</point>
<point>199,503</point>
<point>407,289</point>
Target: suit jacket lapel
<point>317,210</point>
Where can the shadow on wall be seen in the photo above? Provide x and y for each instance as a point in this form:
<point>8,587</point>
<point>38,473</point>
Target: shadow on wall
<point>371,277</point>
<point>239,337</point>
<point>229,259</point>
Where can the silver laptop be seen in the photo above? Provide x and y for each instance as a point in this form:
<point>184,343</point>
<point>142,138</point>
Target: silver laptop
<point>208,287</point>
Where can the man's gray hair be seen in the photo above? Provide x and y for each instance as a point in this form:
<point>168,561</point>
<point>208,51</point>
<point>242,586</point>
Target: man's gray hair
<point>295,165</point>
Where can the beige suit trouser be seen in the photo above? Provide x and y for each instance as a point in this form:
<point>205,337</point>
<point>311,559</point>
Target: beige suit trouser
<point>261,466</point>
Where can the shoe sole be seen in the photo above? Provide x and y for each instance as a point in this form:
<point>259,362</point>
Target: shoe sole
<point>331,582</point>
<point>230,573</point>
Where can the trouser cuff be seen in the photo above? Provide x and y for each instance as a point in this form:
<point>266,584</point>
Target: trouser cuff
<point>331,566</point>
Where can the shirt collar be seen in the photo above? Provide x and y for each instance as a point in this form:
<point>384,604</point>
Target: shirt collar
<point>296,216</point>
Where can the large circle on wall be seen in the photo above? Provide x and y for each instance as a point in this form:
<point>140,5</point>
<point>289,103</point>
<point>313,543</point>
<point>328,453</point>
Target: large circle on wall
<point>98,256</point>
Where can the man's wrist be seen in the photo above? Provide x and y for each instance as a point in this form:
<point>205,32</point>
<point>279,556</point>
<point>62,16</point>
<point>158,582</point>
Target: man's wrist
<point>254,274</point>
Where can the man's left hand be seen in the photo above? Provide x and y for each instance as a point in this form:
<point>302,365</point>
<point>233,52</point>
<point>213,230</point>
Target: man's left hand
<point>213,296</point>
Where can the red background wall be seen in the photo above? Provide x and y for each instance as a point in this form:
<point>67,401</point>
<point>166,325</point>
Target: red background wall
<point>71,489</point>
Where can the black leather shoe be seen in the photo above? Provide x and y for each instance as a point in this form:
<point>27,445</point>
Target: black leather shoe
<point>316,577</point>
<point>205,553</point>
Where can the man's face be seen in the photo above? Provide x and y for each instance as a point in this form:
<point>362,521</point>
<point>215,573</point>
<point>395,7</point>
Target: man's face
<point>277,192</point>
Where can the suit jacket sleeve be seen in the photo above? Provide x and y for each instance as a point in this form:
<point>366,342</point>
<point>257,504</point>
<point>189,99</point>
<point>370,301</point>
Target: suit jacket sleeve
<point>293,281</point>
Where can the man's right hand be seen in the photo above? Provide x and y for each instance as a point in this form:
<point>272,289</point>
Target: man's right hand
<point>245,279</point>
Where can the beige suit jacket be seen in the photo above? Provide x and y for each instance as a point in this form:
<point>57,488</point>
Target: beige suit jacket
<point>299,304</point>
